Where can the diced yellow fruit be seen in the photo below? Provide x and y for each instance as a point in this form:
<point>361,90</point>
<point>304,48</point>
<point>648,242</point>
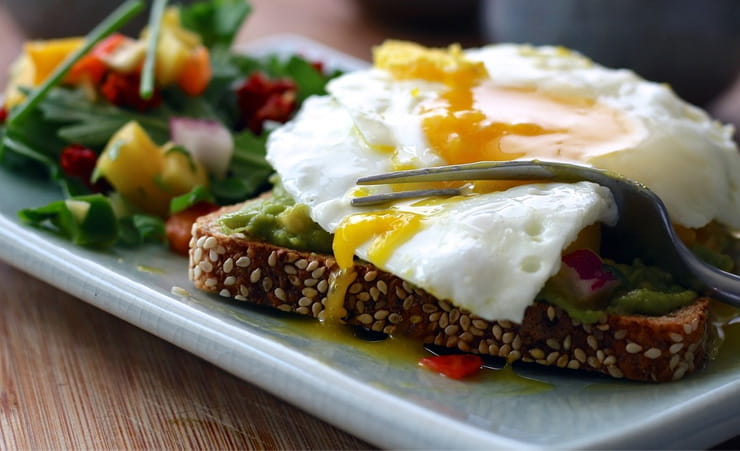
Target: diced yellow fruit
<point>180,172</point>
<point>45,56</point>
<point>172,54</point>
<point>21,75</point>
<point>147,176</point>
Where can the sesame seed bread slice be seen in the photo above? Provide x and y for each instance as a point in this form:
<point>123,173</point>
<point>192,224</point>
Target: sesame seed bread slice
<point>635,347</point>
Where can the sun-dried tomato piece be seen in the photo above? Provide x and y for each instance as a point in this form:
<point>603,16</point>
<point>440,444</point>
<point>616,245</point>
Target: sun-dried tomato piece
<point>79,162</point>
<point>3,114</point>
<point>261,99</point>
<point>123,90</point>
<point>455,366</point>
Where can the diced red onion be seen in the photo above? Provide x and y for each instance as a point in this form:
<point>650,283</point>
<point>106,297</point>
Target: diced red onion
<point>207,141</point>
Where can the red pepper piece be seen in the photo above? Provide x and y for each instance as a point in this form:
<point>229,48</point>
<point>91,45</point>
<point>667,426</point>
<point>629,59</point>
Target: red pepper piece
<point>123,90</point>
<point>261,99</point>
<point>92,66</point>
<point>3,114</point>
<point>455,366</point>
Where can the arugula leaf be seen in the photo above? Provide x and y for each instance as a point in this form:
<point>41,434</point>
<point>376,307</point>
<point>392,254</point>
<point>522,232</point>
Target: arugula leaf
<point>217,21</point>
<point>86,220</point>
<point>139,229</point>
<point>183,202</point>
<point>309,80</point>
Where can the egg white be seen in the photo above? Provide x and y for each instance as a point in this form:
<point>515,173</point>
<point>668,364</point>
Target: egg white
<point>492,253</point>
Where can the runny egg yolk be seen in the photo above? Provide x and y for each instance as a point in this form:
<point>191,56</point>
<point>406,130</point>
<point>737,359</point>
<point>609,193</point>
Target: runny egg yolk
<point>388,229</point>
<point>474,119</point>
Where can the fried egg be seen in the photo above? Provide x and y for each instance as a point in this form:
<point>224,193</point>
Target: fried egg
<point>492,250</point>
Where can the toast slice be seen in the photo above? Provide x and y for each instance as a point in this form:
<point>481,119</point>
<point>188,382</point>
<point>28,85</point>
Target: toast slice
<point>636,347</point>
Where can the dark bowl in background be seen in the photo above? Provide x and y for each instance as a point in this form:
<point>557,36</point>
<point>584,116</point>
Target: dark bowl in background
<point>692,45</point>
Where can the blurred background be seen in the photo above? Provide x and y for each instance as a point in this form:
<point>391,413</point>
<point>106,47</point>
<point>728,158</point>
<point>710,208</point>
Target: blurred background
<point>692,45</point>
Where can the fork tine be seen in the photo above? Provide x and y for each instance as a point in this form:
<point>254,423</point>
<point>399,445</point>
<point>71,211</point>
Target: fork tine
<point>512,170</point>
<point>378,199</point>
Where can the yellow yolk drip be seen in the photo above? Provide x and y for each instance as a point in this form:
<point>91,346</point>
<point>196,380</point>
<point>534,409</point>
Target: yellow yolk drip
<point>339,282</point>
<point>387,229</point>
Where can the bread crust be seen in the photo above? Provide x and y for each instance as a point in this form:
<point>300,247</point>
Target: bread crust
<point>644,348</point>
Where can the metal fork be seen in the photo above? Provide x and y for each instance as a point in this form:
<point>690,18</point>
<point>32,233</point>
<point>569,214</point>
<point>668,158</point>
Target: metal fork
<point>643,227</point>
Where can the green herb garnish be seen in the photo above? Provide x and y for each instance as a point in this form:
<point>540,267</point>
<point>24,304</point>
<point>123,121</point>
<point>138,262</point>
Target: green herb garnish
<point>146,87</point>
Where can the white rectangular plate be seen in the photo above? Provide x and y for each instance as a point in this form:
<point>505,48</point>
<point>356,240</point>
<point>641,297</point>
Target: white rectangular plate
<point>387,402</point>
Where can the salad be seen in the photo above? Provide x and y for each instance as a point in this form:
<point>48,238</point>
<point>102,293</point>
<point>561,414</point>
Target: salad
<point>143,134</point>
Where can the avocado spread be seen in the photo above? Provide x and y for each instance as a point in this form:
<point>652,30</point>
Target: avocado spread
<point>277,219</point>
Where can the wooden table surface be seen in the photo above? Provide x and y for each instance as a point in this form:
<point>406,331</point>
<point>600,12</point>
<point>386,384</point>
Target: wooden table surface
<point>72,376</point>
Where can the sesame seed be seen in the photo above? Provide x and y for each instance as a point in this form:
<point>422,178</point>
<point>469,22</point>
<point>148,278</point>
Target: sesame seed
<point>454,315</point>
<point>497,331</point>
<point>213,256</point>
<point>316,308</point>
<point>434,317</point>
<point>513,355</point>
<point>395,318</point>
<point>243,262</point>
<point>239,297</point>
<point>553,343</point>
<point>272,259</point>
<point>370,276</point>
<point>444,320</point>
<point>312,265</point>
<point>633,348</point>
<point>479,333</point>
<point>355,288</point>
<point>211,282</point>
<point>579,355</point>
<point>280,294</point>
<point>205,265</point>
<point>239,235</point>
<point>465,322</point>
<point>231,280</point>
<point>680,371</point>
<point>480,324</point>
<point>674,362</point>
<point>552,357</point>
<point>318,272</point>
<point>505,324</point>
<point>452,329</point>
<point>197,254</point>
<point>228,265</point>
<point>267,284</point>
<point>428,308</point>
<point>407,303</point>
<point>444,305</point>
<point>517,343</point>
<point>687,329</point>
<point>652,353</point>
<point>400,294</point>
<point>551,313</point>
<point>287,308</point>
<point>302,263</point>
<point>451,341</point>
<point>574,364</point>
<point>562,361</point>
<point>255,276</point>
<point>322,286</point>
<point>466,336</point>
<point>536,353</point>
<point>493,349</point>
<point>375,293</point>
<point>363,296</point>
<point>225,293</point>
<point>407,286</point>
<point>201,241</point>
<point>610,360</point>
<point>304,301</point>
<point>614,371</point>
<point>378,326</point>
<point>210,243</point>
<point>508,337</point>
<point>382,287</point>
<point>600,355</point>
<point>290,269</point>
<point>301,310</point>
<point>620,334</point>
<point>365,319</point>
<point>567,341</point>
<point>676,338</point>
<point>381,314</point>
<point>593,362</point>
<point>243,290</point>
<point>197,272</point>
<point>179,291</point>
<point>675,348</point>
<point>309,292</point>
<point>591,340</point>
<point>310,282</point>
<point>504,350</point>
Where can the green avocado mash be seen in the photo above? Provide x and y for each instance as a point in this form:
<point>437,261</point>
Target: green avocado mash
<point>278,220</point>
<point>644,290</point>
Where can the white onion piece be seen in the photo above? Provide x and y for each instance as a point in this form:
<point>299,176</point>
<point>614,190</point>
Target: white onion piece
<point>207,141</point>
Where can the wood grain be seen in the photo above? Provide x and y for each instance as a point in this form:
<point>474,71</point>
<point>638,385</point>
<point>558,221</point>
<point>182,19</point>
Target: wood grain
<point>72,376</point>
